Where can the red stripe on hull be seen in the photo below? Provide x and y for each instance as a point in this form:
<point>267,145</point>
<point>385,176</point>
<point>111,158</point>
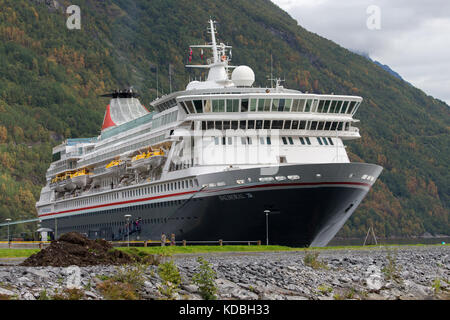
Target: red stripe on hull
<point>208,191</point>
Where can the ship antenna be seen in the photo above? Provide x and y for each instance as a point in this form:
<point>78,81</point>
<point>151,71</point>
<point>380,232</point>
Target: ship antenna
<point>271,70</point>
<point>170,77</point>
<point>212,30</point>
<point>157,83</point>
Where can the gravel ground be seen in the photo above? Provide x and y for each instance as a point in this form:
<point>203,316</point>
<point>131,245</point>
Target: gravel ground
<point>384,273</point>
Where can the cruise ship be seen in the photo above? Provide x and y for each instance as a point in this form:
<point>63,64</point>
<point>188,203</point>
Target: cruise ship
<point>222,159</point>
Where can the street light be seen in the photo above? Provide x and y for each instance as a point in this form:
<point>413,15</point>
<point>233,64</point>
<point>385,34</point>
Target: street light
<point>8,220</point>
<point>267,212</point>
<point>128,216</point>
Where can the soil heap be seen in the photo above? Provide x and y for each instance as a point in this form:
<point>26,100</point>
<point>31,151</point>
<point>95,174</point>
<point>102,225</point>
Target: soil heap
<point>75,249</point>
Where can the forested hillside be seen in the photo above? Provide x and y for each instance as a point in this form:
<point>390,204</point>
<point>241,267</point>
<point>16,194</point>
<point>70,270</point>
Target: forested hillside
<point>50,79</point>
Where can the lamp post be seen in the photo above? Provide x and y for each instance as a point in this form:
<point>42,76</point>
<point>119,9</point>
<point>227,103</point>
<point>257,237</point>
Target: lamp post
<point>267,226</point>
<point>8,220</point>
<point>267,212</point>
<point>127,217</point>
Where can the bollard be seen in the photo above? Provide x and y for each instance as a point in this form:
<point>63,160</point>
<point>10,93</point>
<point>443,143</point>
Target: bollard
<point>40,245</point>
<point>184,243</point>
<point>220,242</point>
<point>163,240</point>
<point>259,242</point>
<point>145,243</point>
<point>172,239</point>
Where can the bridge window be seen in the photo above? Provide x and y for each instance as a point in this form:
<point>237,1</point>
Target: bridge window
<point>261,105</point>
<point>313,125</point>
<point>233,105</point>
<point>226,125</point>
<point>253,104</point>
<point>190,106</point>
<point>320,141</point>
<point>333,107</point>
<point>294,124</point>
<point>284,140</point>
<point>288,105</point>
<point>325,141</point>
<point>244,105</point>
<point>321,106</point>
<point>338,106</point>
<point>234,125</point>
<point>267,104</point>
<point>287,124</point>
<point>327,125</point>
<point>297,105</point>
<point>331,141</point>
<point>308,106</point>
<point>266,124</point>
<point>218,125</point>
<point>218,105</point>
<point>275,104</point>
<point>339,126</point>
<point>344,107</point>
<point>290,140</point>
<point>351,107</point>
<point>251,124</point>
<point>308,141</point>
<point>242,124</point>
<point>269,141</point>
<point>198,106</point>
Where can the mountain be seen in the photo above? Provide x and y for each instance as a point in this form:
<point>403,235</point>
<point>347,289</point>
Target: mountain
<point>51,78</point>
<point>384,66</point>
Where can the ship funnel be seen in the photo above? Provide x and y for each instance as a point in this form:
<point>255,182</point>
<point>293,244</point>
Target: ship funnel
<point>123,107</point>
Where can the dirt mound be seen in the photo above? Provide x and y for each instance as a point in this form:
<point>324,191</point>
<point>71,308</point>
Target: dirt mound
<point>74,249</point>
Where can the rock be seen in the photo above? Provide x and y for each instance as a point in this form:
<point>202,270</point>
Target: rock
<point>27,296</point>
<point>6,292</point>
<point>296,298</point>
<point>38,272</point>
<point>91,294</point>
<point>191,288</point>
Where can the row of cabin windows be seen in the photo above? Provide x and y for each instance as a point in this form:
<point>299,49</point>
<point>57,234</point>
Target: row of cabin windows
<point>276,124</point>
<point>306,141</point>
<point>269,105</point>
<point>172,186</point>
<point>244,140</point>
<point>119,223</point>
<point>267,140</point>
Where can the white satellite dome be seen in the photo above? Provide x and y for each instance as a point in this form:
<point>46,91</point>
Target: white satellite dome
<point>243,76</point>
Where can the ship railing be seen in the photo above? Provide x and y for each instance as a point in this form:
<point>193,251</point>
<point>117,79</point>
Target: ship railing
<point>146,243</point>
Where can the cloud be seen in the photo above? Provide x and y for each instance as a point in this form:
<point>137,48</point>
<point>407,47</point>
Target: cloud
<point>413,39</point>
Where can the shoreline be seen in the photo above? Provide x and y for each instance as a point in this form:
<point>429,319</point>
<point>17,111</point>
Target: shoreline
<point>388,273</point>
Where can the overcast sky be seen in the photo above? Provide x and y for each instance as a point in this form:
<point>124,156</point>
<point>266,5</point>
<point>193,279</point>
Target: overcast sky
<point>413,37</point>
